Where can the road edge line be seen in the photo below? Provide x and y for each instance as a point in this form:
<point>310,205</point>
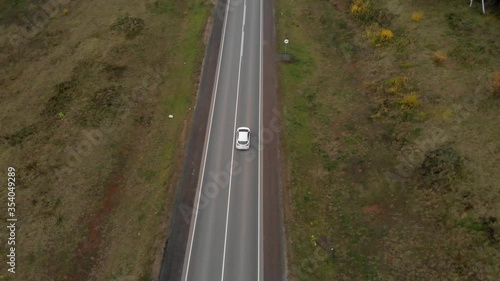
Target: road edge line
<point>260,259</point>
<point>185,271</point>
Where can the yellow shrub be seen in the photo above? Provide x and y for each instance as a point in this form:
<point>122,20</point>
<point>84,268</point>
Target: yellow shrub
<point>417,16</point>
<point>496,84</point>
<point>355,9</point>
<point>410,100</point>
<point>439,57</point>
<point>399,82</point>
<point>385,35</point>
<point>360,8</point>
<point>396,84</point>
<point>377,35</point>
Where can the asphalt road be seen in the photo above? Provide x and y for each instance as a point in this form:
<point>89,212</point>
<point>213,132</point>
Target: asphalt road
<point>226,231</point>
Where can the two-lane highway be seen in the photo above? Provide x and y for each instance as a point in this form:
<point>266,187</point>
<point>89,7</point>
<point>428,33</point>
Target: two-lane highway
<point>225,234</point>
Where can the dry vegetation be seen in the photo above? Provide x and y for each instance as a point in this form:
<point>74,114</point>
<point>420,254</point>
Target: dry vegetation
<point>439,58</point>
<point>86,93</point>
<point>417,16</point>
<point>496,84</point>
<point>392,161</point>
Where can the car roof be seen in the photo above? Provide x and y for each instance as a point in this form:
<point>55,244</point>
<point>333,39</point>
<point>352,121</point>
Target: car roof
<point>243,136</point>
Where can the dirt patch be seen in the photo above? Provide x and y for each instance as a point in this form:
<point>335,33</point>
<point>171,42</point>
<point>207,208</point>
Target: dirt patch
<point>88,249</point>
<point>374,209</point>
<point>341,5</point>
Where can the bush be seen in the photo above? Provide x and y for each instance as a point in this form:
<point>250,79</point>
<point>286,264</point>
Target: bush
<point>61,115</point>
<point>399,82</point>
<point>496,84</point>
<point>129,25</point>
<point>442,166</point>
<point>439,58</point>
<point>417,16</point>
<point>361,9</point>
<point>394,85</point>
<point>65,92</point>
<point>386,35</point>
<point>410,100</point>
<point>378,36</point>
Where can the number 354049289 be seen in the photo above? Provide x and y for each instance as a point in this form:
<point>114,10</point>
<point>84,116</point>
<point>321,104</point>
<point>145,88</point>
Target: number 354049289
<point>11,186</point>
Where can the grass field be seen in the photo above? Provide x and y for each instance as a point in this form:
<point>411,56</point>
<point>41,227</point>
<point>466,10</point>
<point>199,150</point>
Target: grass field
<point>87,89</point>
<point>391,139</point>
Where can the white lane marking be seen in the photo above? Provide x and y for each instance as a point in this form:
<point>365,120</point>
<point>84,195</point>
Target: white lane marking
<point>243,29</point>
<point>207,141</point>
<point>234,135</point>
<point>261,146</point>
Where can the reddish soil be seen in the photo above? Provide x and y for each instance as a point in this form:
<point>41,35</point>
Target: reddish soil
<point>374,209</point>
<point>88,250</point>
<point>340,5</point>
<point>93,240</point>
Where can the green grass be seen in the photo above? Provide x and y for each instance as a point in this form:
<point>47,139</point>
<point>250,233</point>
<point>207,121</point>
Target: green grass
<point>10,8</point>
<point>305,113</point>
<point>181,76</point>
<point>149,175</point>
<point>181,83</point>
<point>165,6</point>
<point>179,87</point>
<point>19,136</point>
<point>5,4</point>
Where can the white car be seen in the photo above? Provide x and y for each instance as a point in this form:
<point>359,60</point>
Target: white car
<point>243,138</point>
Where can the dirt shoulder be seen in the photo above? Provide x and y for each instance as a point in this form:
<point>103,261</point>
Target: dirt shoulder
<point>273,242</point>
<point>96,105</point>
